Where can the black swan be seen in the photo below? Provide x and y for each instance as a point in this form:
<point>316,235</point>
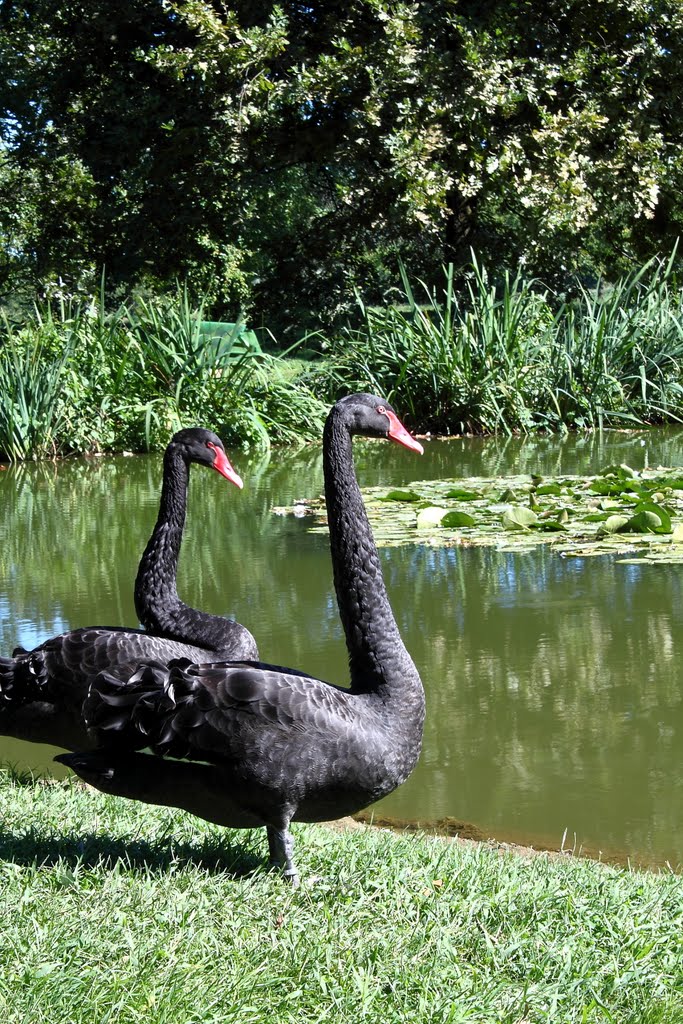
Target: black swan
<point>42,691</point>
<point>276,745</point>
<point>157,604</point>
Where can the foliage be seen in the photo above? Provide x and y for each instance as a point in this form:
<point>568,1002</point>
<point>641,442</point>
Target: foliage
<point>289,154</point>
<point>128,917</point>
<point>79,378</point>
<point>512,355</point>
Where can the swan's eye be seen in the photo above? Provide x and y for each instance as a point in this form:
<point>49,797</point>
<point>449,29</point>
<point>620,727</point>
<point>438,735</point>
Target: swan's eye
<point>211,445</point>
<point>380,408</point>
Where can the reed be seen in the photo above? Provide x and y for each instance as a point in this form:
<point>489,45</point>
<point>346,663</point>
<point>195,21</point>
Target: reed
<point>619,348</point>
<point>32,370</point>
<point>509,355</point>
<point>476,354</point>
<point>79,377</point>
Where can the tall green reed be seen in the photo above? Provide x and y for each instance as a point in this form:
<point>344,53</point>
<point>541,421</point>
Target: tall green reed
<point>180,371</point>
<point>509,355</point>
<point>453,360</point>
<point>81,377</point>
<point>619,348</point>
<point>31,402</point>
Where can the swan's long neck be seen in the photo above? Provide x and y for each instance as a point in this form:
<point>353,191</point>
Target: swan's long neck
<point>156,594</point>
<point>378,659</point>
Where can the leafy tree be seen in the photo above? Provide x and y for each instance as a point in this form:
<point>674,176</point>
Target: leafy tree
<point>290,153</point>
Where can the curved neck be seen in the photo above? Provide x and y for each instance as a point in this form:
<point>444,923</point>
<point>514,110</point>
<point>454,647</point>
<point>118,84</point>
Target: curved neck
<point>155,586</point>
<point>377,657</point>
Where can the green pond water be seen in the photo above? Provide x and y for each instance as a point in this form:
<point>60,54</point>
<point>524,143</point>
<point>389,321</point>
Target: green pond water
<point>554,685</point>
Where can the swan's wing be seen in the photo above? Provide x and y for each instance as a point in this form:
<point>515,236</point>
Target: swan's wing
<point>217,711</point>
<point>97,649</point>
<point>62,669</point>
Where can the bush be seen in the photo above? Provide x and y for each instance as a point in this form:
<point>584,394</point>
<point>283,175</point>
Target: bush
<point>79,378</point>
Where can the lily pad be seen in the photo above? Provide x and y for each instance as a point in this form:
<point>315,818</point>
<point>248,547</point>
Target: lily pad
<point>551,526</point>
<point>518,518</point>
<point>463,495</point>
<point>612,486</point>
<point>548,489</point>
<point>401,495</point>
<point>457,519</point>
<point>649,518</point>
<point>622,471</point>
<point>569,514</point>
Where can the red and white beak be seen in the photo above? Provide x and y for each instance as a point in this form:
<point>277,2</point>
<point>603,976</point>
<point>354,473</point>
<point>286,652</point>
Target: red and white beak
<point>397,432</point>
<point>221,463</point>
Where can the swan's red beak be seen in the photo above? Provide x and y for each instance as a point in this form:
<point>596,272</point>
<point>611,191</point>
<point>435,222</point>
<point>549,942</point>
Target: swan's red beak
<point>397,432</point>
<point>222,464</point>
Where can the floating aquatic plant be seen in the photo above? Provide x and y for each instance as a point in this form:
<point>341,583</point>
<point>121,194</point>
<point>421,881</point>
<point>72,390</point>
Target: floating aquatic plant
<point>619,511</point>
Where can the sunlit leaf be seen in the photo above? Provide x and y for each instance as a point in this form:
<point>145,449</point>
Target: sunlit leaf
<point>613,524</point>
<point>518,518</point>
<point>429,517</point>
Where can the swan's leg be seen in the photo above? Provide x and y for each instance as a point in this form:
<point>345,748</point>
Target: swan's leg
<point>281,850</point>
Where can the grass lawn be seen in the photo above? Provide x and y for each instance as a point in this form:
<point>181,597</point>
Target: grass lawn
<point>114,911</point>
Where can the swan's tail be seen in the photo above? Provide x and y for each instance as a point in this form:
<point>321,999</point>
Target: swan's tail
<point>23,679</point>
<point>144,711</point>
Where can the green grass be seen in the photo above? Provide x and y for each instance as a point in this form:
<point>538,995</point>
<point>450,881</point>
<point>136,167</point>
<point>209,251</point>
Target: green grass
<point>114,911</point>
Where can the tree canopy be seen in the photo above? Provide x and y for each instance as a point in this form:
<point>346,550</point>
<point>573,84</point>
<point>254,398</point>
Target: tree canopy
<point>283,155</point>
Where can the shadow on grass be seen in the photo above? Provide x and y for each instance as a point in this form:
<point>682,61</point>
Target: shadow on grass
<point>100,851</point>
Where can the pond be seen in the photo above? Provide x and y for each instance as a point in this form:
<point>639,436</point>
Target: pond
<point>554,685</point>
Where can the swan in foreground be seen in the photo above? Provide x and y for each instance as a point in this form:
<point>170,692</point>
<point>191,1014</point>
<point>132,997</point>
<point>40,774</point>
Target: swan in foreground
<point>258,745</point>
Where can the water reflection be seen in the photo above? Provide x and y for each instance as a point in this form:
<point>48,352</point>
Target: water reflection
<point>555,700</point>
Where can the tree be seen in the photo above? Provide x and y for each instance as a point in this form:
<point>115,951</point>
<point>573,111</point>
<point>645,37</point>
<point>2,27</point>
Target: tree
<point>291,153</point>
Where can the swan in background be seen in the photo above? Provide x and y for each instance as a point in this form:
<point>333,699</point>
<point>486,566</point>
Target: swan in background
<point>157,604</point>
<point>42,691</point>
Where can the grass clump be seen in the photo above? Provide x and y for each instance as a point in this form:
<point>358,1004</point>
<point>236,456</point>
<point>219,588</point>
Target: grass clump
<point>112,910</point>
